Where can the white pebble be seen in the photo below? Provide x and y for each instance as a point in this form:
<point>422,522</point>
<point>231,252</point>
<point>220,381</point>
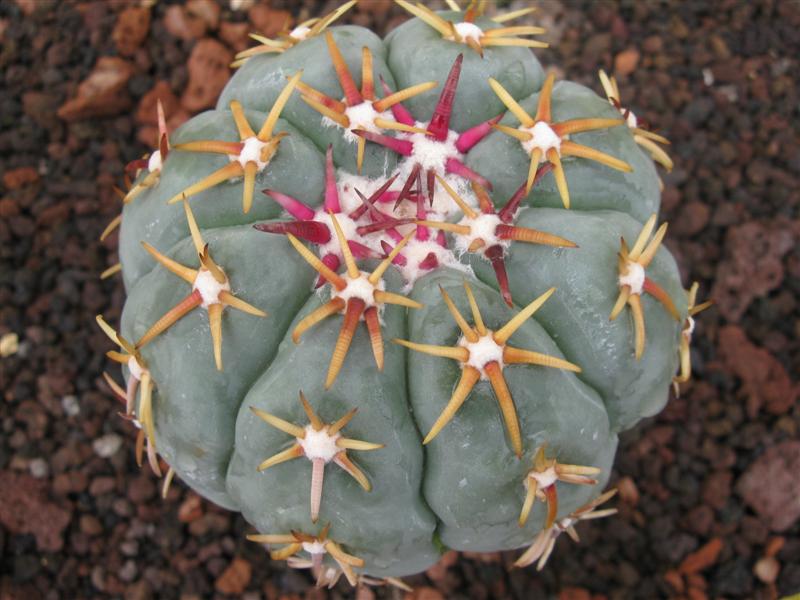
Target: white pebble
<point>71,406</point>
<point>107,446</point>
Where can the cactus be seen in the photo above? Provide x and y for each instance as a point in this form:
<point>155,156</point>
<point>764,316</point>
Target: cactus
<point>492,229</point>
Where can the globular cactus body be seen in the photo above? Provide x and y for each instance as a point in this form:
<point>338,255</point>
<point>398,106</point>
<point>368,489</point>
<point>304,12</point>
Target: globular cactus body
<point>536,400</point>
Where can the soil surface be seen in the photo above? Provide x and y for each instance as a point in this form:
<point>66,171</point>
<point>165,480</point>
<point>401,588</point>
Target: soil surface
<point>708,503</point>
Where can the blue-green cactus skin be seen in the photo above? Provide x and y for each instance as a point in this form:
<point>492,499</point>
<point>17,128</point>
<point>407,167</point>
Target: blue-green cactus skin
<point>465,488</point>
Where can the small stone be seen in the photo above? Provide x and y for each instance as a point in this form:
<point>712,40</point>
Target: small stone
<point>107,446</point>
<point>205,10</point>
<point>182,24</point>
<point>101,486</point>
<point>626,61</point>
<point>268,21</point>
<point>702,558</point>
<point>424,593</point>
<point>39,468</point>
<point>574,593</point>
<point>141,489</point>
<point>628,492</point>
<point>717,489</point>
<point>692,218</point>
<point>91,525</point>
<point>770,486</point>
<point>767,569</point>
<point>71,406</point>
<point>14,179</point>
<point>131,29</point>
<point>774,546</point>
<point>674,579</point>
<point>235,35</point>
<point>235,579</point>
<point>103,93</point>
<point>653,44</point>
<point>190,509</point>
<point>9,344</point>
<point>208,73</point>
<point>128,571</point>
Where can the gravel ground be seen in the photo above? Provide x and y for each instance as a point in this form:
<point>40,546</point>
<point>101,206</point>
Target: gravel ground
<point>708,489</point>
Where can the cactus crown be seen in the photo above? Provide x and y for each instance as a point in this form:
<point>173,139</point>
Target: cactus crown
<point>406,183</point>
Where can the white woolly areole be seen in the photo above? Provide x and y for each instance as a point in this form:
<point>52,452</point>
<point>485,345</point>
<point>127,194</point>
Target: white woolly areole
<point>544,478</point>
<point>361,288</point>
<point>544,138</point>
<point>314,547</point>
<point>483,352</point>
<point>687,331</point>
<point>482,227</point>
<point>300,32</point>
<point>319,444</point>
<point>155,162</point>
<point>135,368</point>
<point>361,116</point>
<point>251,152</point>
<point>633,277</point>
<point>348,228</point>
<point>416,251</point>
<point>209,288</point>
<point>468,30</point>
<point>565,523</point>
<point>430,152</point>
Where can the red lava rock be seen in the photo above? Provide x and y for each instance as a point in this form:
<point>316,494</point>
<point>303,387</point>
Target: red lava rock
<point>28,7</point>
<point>91,525</point>
<point>205,10</point>
<point>424,593</point>
<point>692,218</point>
<point>20,177</point>
<point>25,508</point>
<point>764,380</point>
<point>717,489</point>
<point>700,519</point>
<point>183,25</point>
<point>770,485</point>
<point>702,559</point>
<point>438,572</point>
<point>192,20</point>
<point>235,35</point>
<point>41,107</point>
<point>268,21</point>
<point>628,492</point>
<point>131,29</point>
<point>235,579</point>
<point>626,61</point>
<point>774,546</point>
<point>752,265</point>
<point>190,509</point>
<point>103,93</point>
<point>674,579</point>
<point>208,74</point>
<point>141,489</point>
<point>574,593</point>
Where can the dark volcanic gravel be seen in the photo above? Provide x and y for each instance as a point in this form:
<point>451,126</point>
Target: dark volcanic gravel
<point>708,489</point>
